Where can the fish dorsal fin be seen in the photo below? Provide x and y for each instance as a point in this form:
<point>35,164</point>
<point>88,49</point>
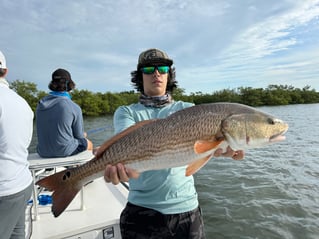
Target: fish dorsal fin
<point>197,165</point>
<point>120,135</point>
<point>202,146</point>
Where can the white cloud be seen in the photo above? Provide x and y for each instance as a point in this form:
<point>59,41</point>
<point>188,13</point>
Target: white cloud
<point>222,43</point>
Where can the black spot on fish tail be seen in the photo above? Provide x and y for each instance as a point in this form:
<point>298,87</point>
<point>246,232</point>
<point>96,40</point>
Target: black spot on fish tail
<point>66,175</point>
<point>63,187</point>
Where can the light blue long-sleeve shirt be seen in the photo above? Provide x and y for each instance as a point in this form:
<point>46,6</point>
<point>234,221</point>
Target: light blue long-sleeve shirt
<point>168,191</point>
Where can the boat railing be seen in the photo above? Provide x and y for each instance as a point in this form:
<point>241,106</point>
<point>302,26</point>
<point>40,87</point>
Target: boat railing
<point>38,165</point>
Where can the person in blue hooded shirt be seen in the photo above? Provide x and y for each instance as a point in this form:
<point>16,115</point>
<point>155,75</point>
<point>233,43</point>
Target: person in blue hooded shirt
<point>59,120</point>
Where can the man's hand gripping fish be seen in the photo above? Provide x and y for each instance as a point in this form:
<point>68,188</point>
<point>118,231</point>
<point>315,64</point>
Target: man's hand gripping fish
<point>187,137</point>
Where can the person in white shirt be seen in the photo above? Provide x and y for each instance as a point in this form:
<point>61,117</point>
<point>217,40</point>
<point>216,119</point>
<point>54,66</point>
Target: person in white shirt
<point>16,127</point>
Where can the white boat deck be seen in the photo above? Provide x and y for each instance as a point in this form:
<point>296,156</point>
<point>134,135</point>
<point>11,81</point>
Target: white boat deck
<point>97,218</point>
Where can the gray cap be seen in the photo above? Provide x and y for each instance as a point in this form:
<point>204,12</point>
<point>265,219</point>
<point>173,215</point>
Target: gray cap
<point>153,57</point>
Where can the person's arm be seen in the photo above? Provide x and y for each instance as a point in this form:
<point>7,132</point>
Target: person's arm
<point>77,125</point>
<point>122,119</point>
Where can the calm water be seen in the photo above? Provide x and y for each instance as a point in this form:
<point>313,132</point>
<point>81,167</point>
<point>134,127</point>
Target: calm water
<point>272,193</point>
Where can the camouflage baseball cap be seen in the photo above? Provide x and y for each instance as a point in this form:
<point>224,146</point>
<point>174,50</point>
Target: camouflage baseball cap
<point>153,56</point>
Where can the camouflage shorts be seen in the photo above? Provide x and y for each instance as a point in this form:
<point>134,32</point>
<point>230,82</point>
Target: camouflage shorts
<point>144,223</point>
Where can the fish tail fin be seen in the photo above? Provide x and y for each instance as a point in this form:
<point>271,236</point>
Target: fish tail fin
<point>64,189</point>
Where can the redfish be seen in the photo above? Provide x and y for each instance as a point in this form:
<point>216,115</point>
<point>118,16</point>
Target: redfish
<point>187,137</point>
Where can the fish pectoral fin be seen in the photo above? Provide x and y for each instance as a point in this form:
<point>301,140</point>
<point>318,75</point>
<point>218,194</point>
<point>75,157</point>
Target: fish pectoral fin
<point>197,165</point>
<point>202,146</point>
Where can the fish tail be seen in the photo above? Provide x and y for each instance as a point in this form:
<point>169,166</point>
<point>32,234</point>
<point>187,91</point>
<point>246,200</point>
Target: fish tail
<point>64,189</point>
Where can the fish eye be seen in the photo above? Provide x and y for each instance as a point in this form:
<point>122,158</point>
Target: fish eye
<point>271,121</point>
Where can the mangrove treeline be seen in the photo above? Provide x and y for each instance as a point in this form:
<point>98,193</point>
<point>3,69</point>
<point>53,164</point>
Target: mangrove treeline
<point>97,104</point>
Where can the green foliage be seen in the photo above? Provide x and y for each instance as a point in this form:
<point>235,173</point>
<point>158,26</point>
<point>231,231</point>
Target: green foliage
<point>250,96</point>
<point>88,102</point>
<point>28,91</point>
<point>114,100</point>
<point>96,104</point>
<point>179,94</point>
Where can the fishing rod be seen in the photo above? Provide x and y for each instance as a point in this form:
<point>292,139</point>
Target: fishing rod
<point>98,130</point>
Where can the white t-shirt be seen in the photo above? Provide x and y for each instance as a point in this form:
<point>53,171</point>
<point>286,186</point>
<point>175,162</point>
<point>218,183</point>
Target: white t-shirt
<point>16,127</point>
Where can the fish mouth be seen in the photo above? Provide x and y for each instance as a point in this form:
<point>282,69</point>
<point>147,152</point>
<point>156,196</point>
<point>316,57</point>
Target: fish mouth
<point>278,137</point>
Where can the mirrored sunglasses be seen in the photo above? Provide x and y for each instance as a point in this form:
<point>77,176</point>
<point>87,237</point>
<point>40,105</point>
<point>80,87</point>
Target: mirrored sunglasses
<point>150,69</point>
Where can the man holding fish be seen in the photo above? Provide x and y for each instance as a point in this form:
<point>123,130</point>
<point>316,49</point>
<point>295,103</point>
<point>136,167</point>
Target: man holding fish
<point>159,144</point>
<point>161,203</point>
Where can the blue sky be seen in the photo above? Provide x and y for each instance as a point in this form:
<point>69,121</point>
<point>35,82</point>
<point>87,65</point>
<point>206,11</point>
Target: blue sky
<point>219,44</point>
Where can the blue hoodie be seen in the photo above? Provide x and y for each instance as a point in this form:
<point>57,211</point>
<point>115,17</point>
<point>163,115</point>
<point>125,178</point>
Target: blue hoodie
<point>59,124</point>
